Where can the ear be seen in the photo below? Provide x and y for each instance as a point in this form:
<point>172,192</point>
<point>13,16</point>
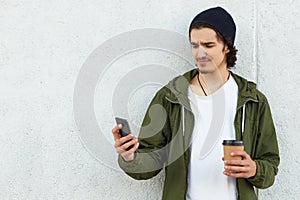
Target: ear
<point>226,49</point>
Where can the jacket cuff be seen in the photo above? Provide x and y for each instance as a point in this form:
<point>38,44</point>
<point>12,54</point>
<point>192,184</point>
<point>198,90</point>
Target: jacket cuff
<point>259,180</point>
<point>258,175</point>
<point>127,165</point>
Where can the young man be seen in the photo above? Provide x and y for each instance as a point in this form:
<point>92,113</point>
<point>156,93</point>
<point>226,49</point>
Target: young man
<point>187,120</point>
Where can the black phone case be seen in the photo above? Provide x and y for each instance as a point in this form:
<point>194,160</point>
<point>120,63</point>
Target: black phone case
<point>125,126</point>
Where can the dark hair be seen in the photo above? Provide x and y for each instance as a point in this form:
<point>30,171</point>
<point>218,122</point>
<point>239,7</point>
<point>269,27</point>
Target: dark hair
<point>231,55</point>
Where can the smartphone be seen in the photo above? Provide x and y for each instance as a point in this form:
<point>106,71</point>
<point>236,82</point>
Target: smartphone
<point>125,129</point>
<point>125,126</point>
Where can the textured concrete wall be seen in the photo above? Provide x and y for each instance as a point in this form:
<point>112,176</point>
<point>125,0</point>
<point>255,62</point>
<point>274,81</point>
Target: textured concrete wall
<point>43,47</point>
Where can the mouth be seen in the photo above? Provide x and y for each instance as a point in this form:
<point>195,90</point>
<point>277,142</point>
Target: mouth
<point>203,61</point>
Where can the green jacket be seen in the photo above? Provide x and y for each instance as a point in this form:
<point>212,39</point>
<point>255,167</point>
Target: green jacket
<point>166,133</point>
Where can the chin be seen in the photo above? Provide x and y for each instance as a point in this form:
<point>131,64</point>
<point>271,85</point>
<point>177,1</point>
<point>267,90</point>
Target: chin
<point>203,71</point>
<point>206,69</point>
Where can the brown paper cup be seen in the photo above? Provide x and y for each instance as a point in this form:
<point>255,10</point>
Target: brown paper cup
<point>230,146</point>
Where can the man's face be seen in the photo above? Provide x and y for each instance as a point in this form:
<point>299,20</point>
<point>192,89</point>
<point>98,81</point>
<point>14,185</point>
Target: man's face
<point>208,51</point>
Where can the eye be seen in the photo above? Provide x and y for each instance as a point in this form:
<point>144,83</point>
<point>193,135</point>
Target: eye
<point>194,46</point>
<point>209,46</point>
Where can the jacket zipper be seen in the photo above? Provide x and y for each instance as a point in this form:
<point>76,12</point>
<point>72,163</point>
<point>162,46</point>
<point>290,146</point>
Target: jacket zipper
<point>183,135</point>
<point>242,132</point>
<point>244,115</point>
<point>183,113</point>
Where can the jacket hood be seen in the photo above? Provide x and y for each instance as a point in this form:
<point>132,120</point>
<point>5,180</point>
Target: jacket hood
<point>179,88</point>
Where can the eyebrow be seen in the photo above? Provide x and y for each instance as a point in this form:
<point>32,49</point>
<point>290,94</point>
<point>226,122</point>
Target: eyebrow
<point>204,43</point>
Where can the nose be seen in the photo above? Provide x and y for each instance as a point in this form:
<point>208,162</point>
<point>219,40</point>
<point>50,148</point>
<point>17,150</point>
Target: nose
<point>201,52</point>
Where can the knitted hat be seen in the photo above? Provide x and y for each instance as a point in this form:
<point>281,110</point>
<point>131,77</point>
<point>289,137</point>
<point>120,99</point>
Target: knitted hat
<point>218,18</point>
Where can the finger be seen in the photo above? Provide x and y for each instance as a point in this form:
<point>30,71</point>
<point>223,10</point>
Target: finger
<point>122,140</point>
<point>236,169</point>
<point>127,138</point>
<point>134,148</point>
<point>235,162</point>
<point>235,175</point>
<point>120,150</point>
<point>239,153</point>
<point>247,157</point>
<point>117,128</point>
<point>116,131</point>
<point>127,154</point>
<point>128,144</point>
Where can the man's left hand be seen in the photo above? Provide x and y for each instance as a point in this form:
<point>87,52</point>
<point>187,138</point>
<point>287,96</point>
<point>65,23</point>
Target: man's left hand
<point>245,168</point>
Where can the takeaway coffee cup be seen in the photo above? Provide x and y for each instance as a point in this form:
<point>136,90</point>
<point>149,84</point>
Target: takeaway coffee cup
<point>230,146</point>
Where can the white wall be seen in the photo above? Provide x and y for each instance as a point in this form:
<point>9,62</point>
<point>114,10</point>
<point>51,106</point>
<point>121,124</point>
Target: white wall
<point>45,153</point>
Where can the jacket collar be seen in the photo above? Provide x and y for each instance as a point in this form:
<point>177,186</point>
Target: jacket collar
<point>246,90</point>
<point>179,89</point>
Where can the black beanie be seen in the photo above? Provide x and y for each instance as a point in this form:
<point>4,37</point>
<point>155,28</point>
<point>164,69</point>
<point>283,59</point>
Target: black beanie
<point>218,18</point>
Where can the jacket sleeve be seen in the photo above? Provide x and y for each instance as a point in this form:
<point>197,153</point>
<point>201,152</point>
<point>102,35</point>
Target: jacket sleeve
<point>151,154</point>
<point>267,154</point>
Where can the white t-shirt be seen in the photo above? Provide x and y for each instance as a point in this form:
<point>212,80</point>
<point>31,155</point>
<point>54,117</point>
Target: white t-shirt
<point>214,122</point>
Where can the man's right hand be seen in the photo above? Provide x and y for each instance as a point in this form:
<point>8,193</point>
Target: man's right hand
<point>122,143</point>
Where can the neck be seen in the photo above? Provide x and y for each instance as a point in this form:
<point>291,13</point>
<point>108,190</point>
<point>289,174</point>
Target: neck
<point>213,81</point>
